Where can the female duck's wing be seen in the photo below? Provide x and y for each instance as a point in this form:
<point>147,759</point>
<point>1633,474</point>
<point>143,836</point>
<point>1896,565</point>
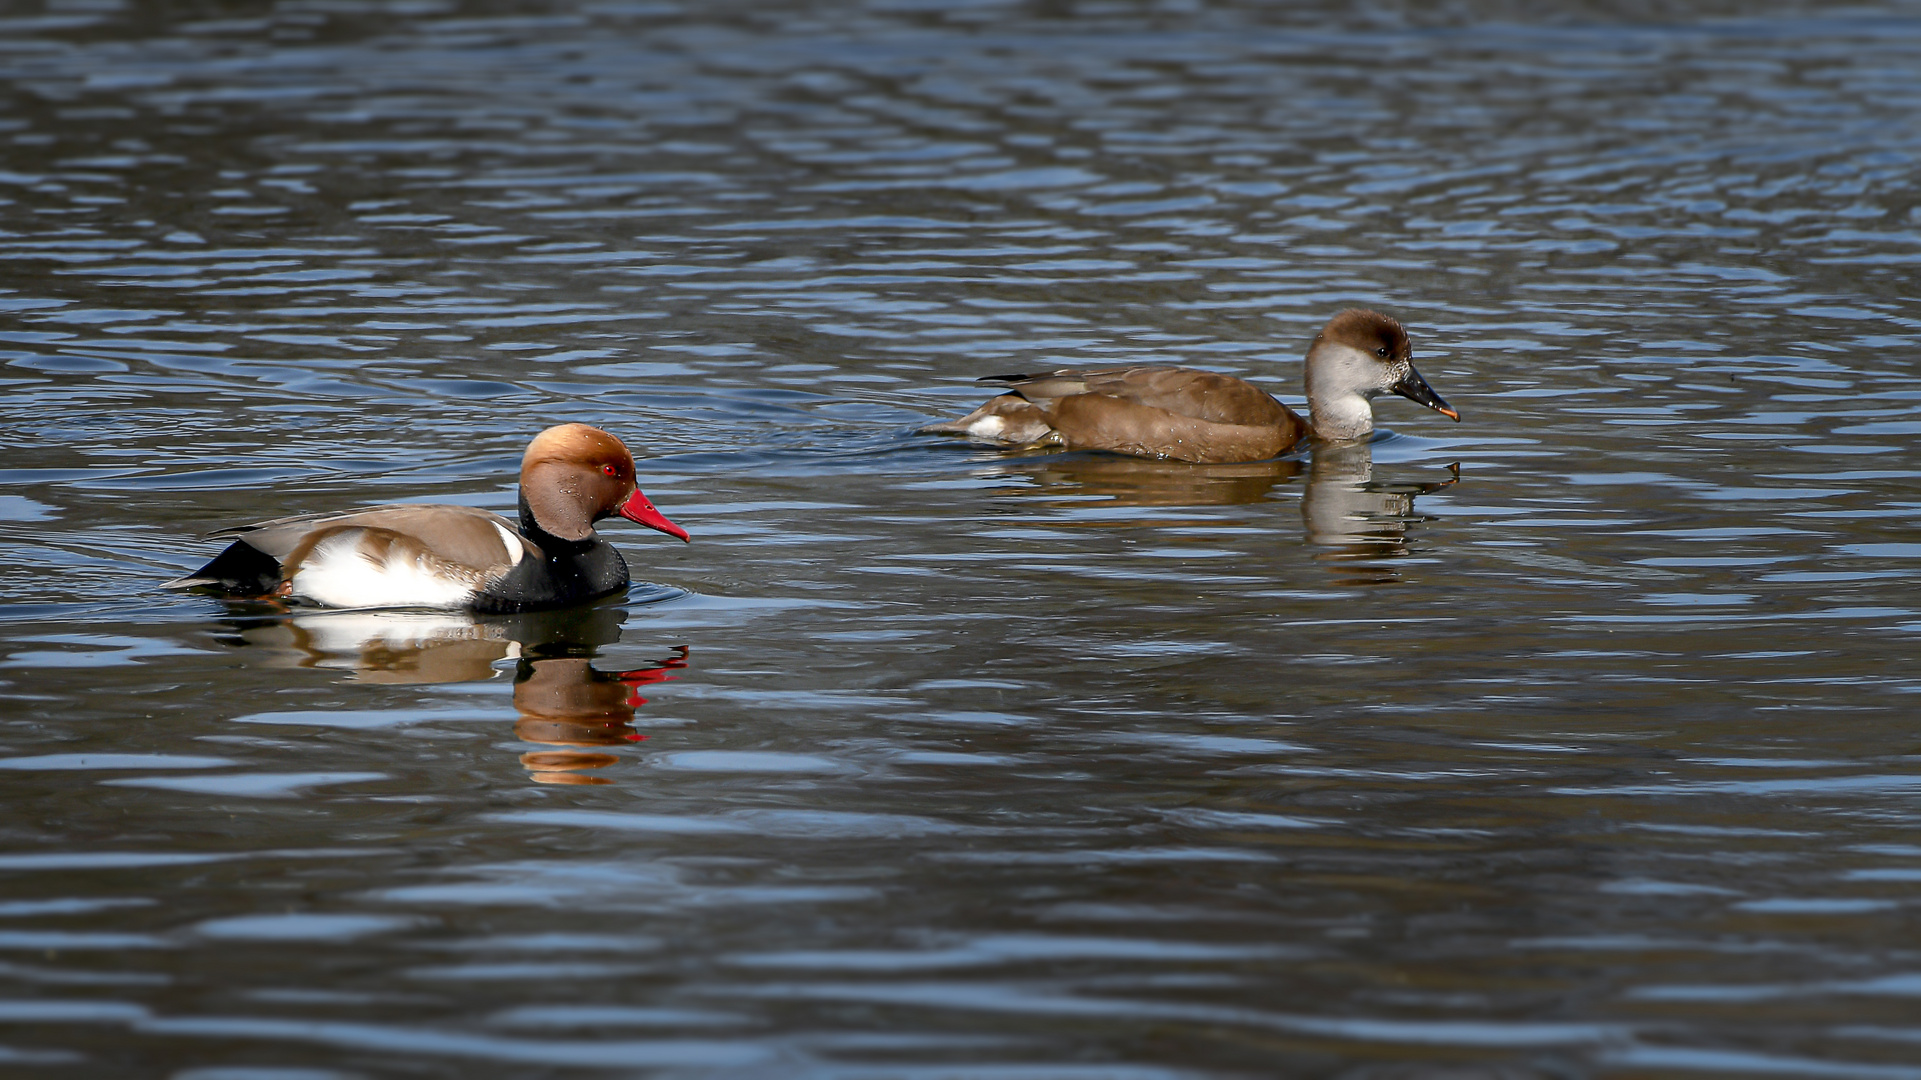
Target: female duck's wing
<point>1201,395</point>
<point>1177,413</point>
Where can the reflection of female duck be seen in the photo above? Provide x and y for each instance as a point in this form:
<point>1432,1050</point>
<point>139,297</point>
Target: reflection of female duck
<point>566,701</point>
<point>1122,481</point>
<point>1354,518</point>
<point>1344,510</point>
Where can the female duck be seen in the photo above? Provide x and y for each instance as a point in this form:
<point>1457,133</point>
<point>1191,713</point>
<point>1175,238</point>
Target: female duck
<point>1199,416</point>
<point>434,556</point>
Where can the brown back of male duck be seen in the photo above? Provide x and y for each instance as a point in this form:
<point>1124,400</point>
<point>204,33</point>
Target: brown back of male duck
<point>1200,416</point>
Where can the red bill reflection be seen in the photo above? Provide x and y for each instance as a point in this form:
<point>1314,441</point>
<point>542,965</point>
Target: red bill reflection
<point>567,702</point>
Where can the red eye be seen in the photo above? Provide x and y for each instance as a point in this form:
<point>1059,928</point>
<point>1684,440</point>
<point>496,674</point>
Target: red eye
<point>610,470</point>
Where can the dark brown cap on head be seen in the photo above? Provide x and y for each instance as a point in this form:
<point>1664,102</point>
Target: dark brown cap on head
<point>572,476</point>
<point>1369,331</point>
<point>580,445</point>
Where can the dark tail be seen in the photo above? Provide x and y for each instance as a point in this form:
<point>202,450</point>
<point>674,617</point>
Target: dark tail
<point>241,570</point>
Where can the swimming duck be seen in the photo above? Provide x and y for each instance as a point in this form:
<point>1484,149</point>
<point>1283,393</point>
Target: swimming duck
<point>435,556</point>
<point>1200,416</point>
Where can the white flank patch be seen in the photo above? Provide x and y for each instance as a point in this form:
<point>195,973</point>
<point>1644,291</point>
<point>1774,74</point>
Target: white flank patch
<point>515,549</point>
<point>987,427</point>
<point>338,575</point>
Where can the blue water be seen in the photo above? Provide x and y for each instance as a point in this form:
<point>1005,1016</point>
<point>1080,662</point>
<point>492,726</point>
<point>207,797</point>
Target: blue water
<point>1572,740</point>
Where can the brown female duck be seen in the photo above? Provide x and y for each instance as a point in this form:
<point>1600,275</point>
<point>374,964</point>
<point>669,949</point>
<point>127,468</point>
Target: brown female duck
<point>1200,416</point>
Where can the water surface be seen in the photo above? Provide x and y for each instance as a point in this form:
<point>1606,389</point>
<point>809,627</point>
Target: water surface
<point>1591,754</point>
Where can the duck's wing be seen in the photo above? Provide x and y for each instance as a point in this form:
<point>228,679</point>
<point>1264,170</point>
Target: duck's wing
<point>1206,396</point>
<point>462,535</point>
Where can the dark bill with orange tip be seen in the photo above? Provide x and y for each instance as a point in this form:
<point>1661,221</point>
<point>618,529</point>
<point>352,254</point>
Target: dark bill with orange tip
<point>1415,389</point>
<point>637,509</point>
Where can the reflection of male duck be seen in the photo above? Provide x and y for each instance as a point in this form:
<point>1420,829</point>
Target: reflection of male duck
<point>562,699</point>
<point>566,701</point>
<point>422,647</point>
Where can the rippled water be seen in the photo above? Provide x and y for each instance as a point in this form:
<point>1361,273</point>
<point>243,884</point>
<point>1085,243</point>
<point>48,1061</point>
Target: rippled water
<point>1598,758</point>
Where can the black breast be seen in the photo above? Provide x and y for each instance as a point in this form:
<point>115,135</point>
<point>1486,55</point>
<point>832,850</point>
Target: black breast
<point>571,573</point>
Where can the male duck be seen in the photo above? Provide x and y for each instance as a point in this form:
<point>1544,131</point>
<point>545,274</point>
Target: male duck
<point>434,556</point>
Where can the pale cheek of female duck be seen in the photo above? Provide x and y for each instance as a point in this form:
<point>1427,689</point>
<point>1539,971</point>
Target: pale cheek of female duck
<point>1351,371</point>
